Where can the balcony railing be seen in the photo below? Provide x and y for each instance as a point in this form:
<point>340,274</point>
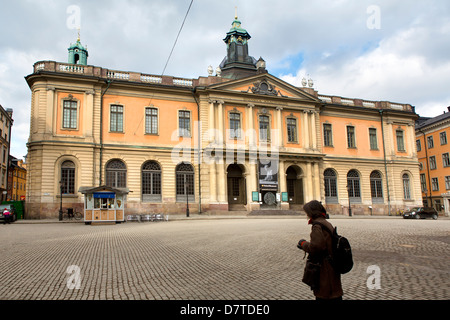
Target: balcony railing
<point>53,66</point>
<point>365,103</point>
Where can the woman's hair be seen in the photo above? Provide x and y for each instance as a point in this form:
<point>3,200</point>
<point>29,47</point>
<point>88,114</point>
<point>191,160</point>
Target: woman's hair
<point>314,209</point>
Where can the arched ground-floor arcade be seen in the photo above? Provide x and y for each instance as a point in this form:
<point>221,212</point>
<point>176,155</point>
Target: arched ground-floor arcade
<point>158,184</point>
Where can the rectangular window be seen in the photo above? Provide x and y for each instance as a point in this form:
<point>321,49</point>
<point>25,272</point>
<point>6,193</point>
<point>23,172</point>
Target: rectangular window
<point>327,135</point>
<point>235,125</point>
<point>373,139</point>
<point>354,189</point>
<point>430,142</point>
<point>264,128</point>
<point>447,183</point>
<point>116,119</point>
<point>423,182</point>
<point>330,187</point>
<point>432,162</point>
<point>435,184</point>
<point>376,189</point>
<point>291,129</point>
<point>445,160</point>
<point>70,114</point>
<point>184,123</point>
<point>406,188</point>
<point>418,145</point>
<point>68,180</point>
<point>351,141</point>
<point>443,138</point>
<point>151,120</point>
<point>400,140</point>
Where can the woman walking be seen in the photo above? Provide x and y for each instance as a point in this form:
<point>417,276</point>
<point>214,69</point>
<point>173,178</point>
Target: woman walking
<point>319,247</point>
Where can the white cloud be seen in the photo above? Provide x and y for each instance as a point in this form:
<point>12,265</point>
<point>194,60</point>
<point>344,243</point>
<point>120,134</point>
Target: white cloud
<point>393,71</point>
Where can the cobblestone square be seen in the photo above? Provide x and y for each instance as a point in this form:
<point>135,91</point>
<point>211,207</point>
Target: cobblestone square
<point>217,259</point>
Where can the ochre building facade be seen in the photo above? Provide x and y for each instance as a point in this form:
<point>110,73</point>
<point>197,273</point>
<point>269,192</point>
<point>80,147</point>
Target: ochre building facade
<point>241,139</point>
<point>433,149</point>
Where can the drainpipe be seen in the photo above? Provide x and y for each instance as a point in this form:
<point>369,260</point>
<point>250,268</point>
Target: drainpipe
<point>428,167</point>
<point>385,163</point>
<point>101,132</point>
<point>198,153</point>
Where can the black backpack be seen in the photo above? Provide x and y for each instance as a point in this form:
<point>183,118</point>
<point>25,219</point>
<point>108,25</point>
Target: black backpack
<point>342,258</point>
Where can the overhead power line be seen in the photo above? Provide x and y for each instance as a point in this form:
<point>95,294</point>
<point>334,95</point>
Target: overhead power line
<point>181,28</point>
<point>168,58</point>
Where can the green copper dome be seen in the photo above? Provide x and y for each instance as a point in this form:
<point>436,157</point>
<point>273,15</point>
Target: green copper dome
<point>77,45</point>
<point>237,33</point>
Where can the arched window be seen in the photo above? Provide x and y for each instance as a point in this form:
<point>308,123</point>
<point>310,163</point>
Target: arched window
<point>68,177</point>
<point>116,174</point>
<point>151,182</point>
<point>353,186</point>
<point>406,187</point>
<point>376,187</point>
<point>330,182</point>
<point>184,181</point>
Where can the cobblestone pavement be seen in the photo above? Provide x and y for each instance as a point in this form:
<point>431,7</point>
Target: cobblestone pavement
<point>215,259</point>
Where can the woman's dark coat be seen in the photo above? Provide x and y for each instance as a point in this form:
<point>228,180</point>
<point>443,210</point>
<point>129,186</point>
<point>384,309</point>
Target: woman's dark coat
<point>330,281</point>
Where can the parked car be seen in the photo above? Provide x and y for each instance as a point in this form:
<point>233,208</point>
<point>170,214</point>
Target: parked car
<point>11,209</point>
<point>421,213</point>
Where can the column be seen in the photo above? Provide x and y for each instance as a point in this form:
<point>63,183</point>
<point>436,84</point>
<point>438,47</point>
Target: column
<point>51,113</point>
<point>309,194</point>
<point>282,176</point>
<point>212,183</point>
<point>305,129</point>
<point>410,137</point>
<point>220,138</point>
<point>282,183</point>
<point>88,112</point>
<point>279,120</point>
<point>251,128</point>
<point>390,148</point>
<point>211,124</point>
<point>313,130</point>
<point>317,195</point>
<point>252,185</point>
<point>221,182</point>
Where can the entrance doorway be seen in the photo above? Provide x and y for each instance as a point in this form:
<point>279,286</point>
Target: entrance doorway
<point>237,198</point>
<point>294,184</point>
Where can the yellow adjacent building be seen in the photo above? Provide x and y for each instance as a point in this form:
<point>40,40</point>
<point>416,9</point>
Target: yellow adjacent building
<point>241,139</point>
<point>433,150</point>
<point>17,178</point>
<point>6,122</point>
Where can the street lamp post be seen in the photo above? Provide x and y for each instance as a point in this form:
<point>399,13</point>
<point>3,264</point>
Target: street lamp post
<point>60,200</point>
<point>187,199</point>
<point>349,203</point>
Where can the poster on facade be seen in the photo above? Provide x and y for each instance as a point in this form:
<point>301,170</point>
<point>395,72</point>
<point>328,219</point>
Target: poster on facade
<point>268,175</point>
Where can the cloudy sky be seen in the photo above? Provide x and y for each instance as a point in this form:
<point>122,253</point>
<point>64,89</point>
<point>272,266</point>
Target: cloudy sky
<point>395,50</point>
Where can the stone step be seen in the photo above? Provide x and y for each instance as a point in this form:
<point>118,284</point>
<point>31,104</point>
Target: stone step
<point>275,212</point>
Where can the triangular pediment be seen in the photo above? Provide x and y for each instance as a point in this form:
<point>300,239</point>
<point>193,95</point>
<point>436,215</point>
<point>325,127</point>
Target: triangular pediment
<point>265,85</point>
